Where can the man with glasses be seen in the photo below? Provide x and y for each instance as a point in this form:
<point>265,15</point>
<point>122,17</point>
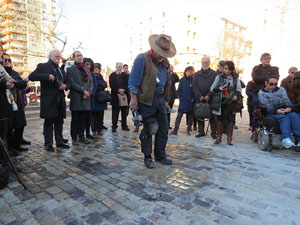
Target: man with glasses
<point>53,104</point>
<point>287,83</point>
<point>277,105</point>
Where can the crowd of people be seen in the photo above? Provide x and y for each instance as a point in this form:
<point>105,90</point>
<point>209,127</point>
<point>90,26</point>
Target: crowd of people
<point>149,90</point>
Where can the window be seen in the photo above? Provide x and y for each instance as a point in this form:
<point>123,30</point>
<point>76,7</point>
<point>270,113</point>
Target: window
<point>189,16</point>
<point>195,20</point>
<point>194,35</point>
<point>188,49</point>
<point>188,33</point>
<point>163,14</point>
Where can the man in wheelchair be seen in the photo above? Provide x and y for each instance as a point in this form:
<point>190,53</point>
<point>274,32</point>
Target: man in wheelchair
<point>277,105</point>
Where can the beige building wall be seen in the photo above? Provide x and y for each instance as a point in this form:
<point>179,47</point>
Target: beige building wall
<point>23,23</point>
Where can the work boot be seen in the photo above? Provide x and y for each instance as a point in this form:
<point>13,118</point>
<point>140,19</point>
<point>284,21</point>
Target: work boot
<point>220,126</point>
<point>229,133</point>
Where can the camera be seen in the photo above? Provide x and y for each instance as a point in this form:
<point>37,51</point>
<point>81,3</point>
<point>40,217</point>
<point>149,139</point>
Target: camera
<point>136,117</point>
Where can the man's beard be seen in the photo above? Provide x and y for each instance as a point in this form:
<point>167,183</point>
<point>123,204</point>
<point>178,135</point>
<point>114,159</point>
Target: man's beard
<point>118,72</point>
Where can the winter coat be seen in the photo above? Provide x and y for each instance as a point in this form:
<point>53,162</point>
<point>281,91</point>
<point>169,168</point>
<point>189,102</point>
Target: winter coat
<point>202,81</point>
<point>250,92</point>
<point>260,73</point>
<point>6,110</point>
<point>217,96</point>
<point>186,95</point>
<point>74,80</point>
<point>273,100</point>
<point>296,88</point>
<point>19,118</point>
<point>52,99</point>
<point>173,94</point>
<point>114,88</point>
<point>286,83</point>
<point>99,85</point>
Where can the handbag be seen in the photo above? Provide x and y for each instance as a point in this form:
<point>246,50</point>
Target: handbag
<point>202,110</point>
<point>103,97</point>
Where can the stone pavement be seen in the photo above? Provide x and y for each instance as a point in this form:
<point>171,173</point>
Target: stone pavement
<point>107,183</point>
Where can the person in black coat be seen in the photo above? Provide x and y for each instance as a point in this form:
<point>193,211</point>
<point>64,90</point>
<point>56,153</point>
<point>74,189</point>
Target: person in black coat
<point>202,81</point>
<point>118,82</point>
<point>19,119</point>
<point>173,93</point>
<point>6,109</point>
<point>53,104</point>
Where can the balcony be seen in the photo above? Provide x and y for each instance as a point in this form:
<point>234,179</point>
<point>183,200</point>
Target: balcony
<point>18,52</point>
<point>15,30</point>
<point>13,22</point>
<point>11,7</point>
<point>14,37</point>
<point>13,45</point>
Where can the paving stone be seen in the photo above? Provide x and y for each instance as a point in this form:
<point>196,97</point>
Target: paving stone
<point>92,218</point>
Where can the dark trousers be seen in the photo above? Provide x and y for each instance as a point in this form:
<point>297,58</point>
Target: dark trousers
<point>157,111</point>
<point>115,116</point>
<point>88,123</point>
<point>189,117</point>
<point>4,130</point>
<point>55,124</point>
<point>97,120</point>
<point>78,124</point>
<point>212,123</point>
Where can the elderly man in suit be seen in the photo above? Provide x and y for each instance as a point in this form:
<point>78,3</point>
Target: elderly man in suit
<point>53,104</point>
<point>80,82</point>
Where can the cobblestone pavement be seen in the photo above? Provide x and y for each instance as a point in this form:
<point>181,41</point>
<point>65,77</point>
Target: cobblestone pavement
<point>106,182</point>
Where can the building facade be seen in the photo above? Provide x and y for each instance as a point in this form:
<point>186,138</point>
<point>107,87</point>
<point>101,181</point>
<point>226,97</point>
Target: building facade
<point>23,25</point>
<point>195,34</point>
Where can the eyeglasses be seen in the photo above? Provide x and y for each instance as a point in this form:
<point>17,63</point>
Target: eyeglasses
<point>7,60</point>
<point>273,84</point>
<point>292,72</point>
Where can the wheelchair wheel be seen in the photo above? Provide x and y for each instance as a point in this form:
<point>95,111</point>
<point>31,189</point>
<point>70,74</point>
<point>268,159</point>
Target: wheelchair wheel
<point>264,141</point>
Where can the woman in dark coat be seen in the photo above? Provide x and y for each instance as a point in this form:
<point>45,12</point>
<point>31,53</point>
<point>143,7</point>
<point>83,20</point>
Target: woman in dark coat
<point>97,109</point>
<point>226,91</point>
<point>186,100</point>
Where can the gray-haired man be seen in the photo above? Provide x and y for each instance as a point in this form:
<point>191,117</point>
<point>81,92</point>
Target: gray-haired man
<point>53,104</point>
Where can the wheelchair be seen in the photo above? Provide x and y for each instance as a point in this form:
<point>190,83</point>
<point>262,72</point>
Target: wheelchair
<point>269,133</point>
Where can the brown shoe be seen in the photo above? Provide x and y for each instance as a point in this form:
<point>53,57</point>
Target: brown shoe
<point>75,142</point>
<point>84,141</point>
<point>219,132</point>
<point>229,132</point>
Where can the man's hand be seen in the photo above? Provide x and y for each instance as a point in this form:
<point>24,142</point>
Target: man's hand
<point>202,98</point>
<point>133,102</point>
<point>86,94</point>
<point>63,87</point>
<point>234,98</point>
<point>122,91</point>
<point>10,84</point>
<point>280,111</point>
<point>287,110</point>
<point>206,98</point>
<point>51,77</point>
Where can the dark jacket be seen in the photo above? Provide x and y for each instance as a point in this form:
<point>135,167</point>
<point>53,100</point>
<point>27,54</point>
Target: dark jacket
<point>286,83</point>
<point>296,88</point>
<point>6,110</point>
<point>202,81</point>
<point>173,94</point>
<point>52,99</point>
<point>250,92</point>
<point>186,95</point>
<point>260,74</point>
<point>75,82</point>
<point>19,119</point>
<point>114,87</point>
<point>99,85</point>
<point>217,95</point>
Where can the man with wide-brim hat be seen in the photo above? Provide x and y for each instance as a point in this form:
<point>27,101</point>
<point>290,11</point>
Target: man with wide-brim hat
<point>149,85</point>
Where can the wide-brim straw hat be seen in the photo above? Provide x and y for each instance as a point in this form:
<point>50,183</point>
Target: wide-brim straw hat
<point>162,44</point>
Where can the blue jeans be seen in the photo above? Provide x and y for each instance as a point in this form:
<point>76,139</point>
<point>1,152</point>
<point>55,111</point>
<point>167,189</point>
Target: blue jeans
<point>159,112</point>
<point>289,123</point>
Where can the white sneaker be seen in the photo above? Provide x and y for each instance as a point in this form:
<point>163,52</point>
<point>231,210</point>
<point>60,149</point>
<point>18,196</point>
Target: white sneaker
<point>287,143</point>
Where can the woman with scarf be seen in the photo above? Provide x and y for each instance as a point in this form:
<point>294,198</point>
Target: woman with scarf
<point>227,99</point>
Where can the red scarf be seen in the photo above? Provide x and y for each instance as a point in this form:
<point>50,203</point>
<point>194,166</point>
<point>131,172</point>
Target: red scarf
<point>152,55</point>
<point>81,68</point>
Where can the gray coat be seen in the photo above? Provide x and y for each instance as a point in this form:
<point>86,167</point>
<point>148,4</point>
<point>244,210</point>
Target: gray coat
<point>77,87</point>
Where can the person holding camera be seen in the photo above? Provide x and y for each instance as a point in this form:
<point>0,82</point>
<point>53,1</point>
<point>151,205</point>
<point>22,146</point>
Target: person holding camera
<point>276,103</point>
<point>149,85</point>
<point>226,92</point>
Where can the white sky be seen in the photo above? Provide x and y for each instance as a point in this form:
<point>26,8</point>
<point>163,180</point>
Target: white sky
<point>100,25</point>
